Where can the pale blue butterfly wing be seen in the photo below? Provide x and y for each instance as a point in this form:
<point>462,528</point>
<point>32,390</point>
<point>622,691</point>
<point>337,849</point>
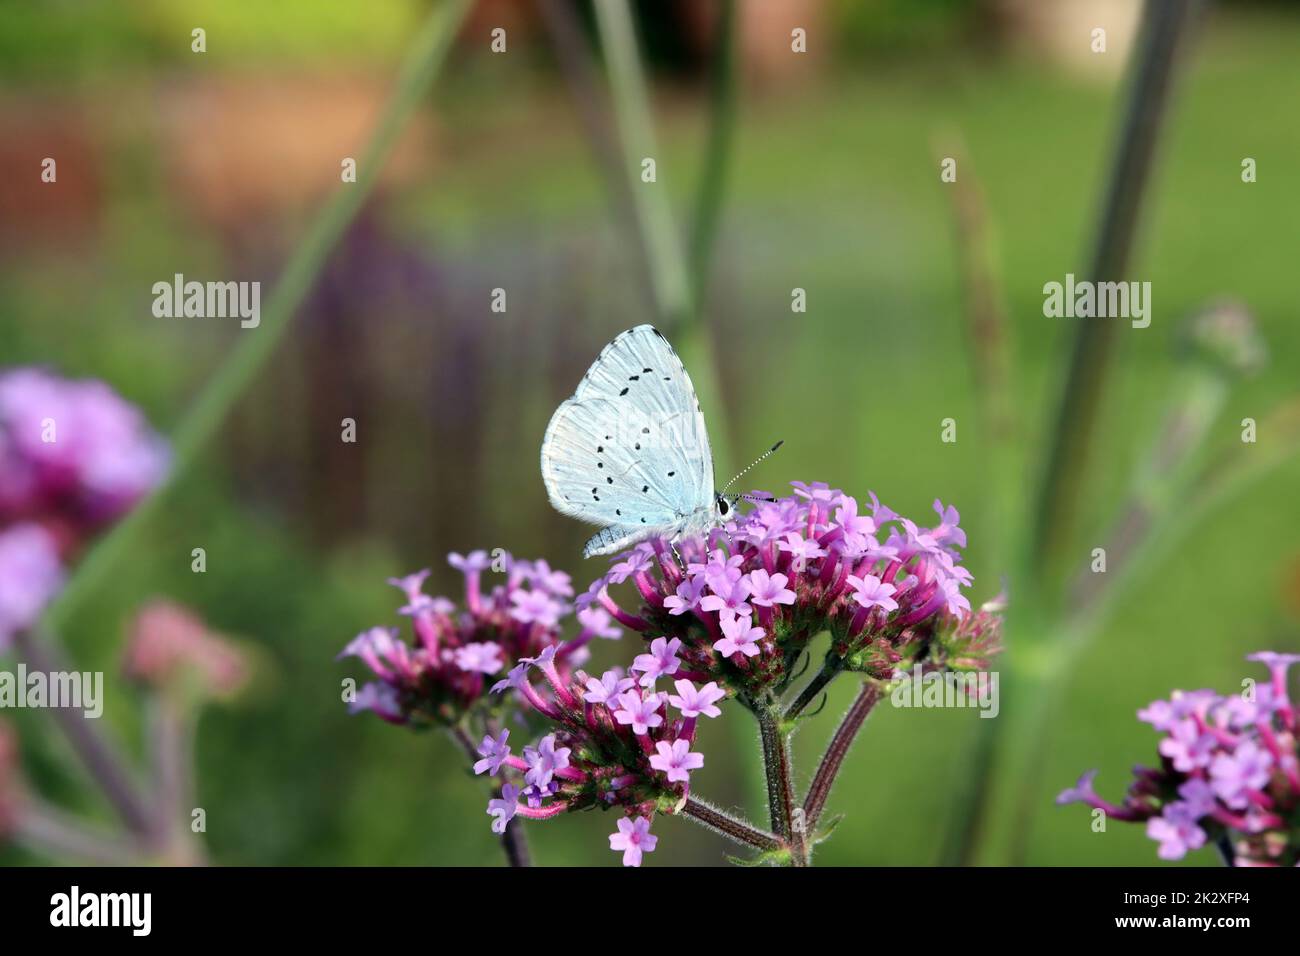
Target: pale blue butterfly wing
<point>630,450</point>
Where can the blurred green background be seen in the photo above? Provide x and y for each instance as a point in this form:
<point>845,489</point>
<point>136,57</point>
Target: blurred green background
<point>210,165</point>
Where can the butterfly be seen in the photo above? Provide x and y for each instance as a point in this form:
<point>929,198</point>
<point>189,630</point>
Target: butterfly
<point>630,450</point>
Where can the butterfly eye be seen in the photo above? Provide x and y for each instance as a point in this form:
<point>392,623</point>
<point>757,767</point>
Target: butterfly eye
<point>723,507</point>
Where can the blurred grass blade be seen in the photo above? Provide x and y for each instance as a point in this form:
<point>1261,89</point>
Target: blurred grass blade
<point>988,346</point>
<point>997,835</point>
<point>577,63</point>
<point>1165,26</point>
<point>992,364</point>
<point>214,403</point>
<point>717,156</point>
<point>632,110</point>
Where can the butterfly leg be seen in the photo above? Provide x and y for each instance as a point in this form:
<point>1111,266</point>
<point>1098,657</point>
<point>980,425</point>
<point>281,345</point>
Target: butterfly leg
<point>678,555</point>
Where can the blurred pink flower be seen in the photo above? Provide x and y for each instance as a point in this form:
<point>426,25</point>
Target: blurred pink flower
<point>169,644</point>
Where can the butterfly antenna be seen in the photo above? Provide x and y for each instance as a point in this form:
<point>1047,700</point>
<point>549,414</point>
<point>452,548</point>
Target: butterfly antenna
<point>745,470</point>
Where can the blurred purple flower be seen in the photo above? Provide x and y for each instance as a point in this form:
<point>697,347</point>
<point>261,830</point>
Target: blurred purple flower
<point>1230,774</point>
<point>74,451</point>
<point>30,576</point>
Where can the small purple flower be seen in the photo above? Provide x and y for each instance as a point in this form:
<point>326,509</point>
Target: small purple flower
<point>1159,714</point>
<point>738,636</point>
<point>424,604</point>
<point>543,762</point>
<point>947,533</point>
<point>596,621</point>
<point>869,592</point>
<point>727,595</point>
<point>1187,747</point>
<point>1176,831</point>
<point>801,550</point>
<point>1198,795</point>
<point>515,678</point>
<point>767,590</point>
<point>558,584</point>
<point>483,658</point>
<point>720,565</point>
<point>694,703</point>
<point>640,712</point>
<point>612,683</point>
<point>381,650</point>
<point>661,660</point>
<point>535,607</point>
<point>494,751</point>
<point>633,838</point>
<point>1081,792</point>
<point>817,491</point>
<point>473,563</point>
<point>957,603</point>
<point>676,760</point>
<point>689,594</point>
<point>881,513</point>
<point>634,562</point>
<point>846,516</point>
<point>380,698</point>
<point>1272,659</point>
<point>503,809</point>
<point>1233,775</point>
<point>30,575</point>
<point>412,585</point>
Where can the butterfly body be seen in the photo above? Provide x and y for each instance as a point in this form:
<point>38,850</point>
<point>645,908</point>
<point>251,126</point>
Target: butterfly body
<point>629,450</point>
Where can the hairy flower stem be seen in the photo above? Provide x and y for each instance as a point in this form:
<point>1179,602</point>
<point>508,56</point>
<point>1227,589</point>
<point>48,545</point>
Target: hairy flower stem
<point>831,668</point>
<point>731,827</point>
<point>838,749</point>
<point>102,759</point>
<point>781,801</point>
<point>513,842</point>
<point>515,845</point>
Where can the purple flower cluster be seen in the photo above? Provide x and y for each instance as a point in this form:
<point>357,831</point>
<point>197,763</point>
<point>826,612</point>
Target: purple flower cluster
<point>618,742</point>
<point>74,456</point>
<point>729,616</point>
<point>456,653</point>
<point>753,595</point>
<point>1229,773</point>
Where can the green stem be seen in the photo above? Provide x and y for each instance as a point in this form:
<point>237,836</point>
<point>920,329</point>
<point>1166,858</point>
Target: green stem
<point>98,754</point>
<point>730,826</point>
<point>44,830</point>
<point>830,669</point>
<point>214,403</point>
<point>781,803</point>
